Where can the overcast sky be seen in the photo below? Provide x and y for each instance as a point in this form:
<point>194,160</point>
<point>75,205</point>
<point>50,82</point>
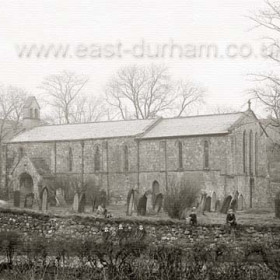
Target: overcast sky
<point>127,22</point>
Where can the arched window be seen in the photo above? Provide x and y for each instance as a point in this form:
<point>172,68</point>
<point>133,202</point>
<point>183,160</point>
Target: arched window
<point>206,154</point>
<point>251,147</point>
<point>70,159</point>
<point>125,152</point>
<point>180,152</point>
<point>256,153</point>
<point>31,113</point>
<point>244,151</point>
<point>97,159</point>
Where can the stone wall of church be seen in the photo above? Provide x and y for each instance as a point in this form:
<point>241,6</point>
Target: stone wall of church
<point>159,161</point>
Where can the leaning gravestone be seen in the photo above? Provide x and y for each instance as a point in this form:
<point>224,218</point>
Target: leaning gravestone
<point>76,202</point>
<point>17,198</point>
<point>28,202</point>
<point>130,202</point>
<point>45,194</point>
<point>158,203</point>
<point>82,203</point>
<point>226,205</point>
<point>150,202</point>
<point>142,205</point>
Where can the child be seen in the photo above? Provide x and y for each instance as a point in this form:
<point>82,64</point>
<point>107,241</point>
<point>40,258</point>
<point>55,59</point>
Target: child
<point>231,220</point>
<point>193,217</point>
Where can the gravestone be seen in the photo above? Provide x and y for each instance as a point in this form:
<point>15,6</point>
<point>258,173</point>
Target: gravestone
<point>45,196</point>
<point>82,203</point>
<point>28,202</point>
<point>226,204</point>
<point>76,202</point>
<point>207,206</point>
<point>130,203</point>
<point>17,198</point>
<point>136,200</point>
<point>59,197</point>
<point>202,202</point>
<point>158,203</point>
<point>142,205</point>
<point>150,202</point>
<point>218,205</point>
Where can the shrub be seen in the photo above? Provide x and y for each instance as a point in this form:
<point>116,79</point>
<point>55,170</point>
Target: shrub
<point>9,242</point>
<point>179,197</point>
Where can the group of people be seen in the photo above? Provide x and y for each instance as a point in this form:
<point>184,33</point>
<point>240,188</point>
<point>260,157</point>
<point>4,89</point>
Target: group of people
<point>230,219</point>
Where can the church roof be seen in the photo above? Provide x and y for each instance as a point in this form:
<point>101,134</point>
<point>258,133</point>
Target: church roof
<point>144,129</point>
<point>194,126</point>
<point>95,130</point>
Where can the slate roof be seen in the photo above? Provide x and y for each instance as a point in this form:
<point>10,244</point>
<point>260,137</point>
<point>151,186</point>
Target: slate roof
<point>193,126</point>
<point>97,130</point>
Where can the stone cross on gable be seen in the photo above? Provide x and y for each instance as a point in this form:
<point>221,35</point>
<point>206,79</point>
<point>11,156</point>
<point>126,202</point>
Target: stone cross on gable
<point>249,104</point>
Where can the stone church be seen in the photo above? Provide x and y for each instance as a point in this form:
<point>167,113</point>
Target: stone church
<point>225,155</point>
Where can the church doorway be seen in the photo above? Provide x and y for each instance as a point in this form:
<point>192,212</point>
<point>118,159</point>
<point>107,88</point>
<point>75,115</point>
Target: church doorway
<point>26,186</point>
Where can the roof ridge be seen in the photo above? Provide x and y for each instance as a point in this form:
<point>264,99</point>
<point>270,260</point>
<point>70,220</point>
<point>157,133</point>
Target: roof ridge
<point>205,115</point>
<point>111,121</point>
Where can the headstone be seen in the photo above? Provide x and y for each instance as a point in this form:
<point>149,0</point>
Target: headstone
<point>202,202</point>
<point>150,202</point>
<point>76,202</point>
<point>59,197</point>
<point>218,205</point>
<point>130,202</point>
<point>28,202</point>
<point>82,203</point>
<point>136,200</point>
<point>142,205</point>
<point>158,203</point>
<point>207,206</point>
<point>45,195</point>
<point>17,198</point>
<point>226,204</point>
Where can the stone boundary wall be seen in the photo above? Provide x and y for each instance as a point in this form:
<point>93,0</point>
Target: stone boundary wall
<point>33,224</point>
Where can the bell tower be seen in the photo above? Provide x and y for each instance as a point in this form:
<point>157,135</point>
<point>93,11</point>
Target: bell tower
<point>31,113</point>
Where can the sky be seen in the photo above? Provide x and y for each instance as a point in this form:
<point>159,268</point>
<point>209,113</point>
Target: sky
<point>88,27</point>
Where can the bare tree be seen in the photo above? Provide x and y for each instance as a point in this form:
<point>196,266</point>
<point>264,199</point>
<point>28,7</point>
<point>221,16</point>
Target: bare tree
<point>62,91</point>
<point>88,109</point>
<point>223,110</point>
<point>267,89</point>
<point>12,100</point>
<point>138,92</point>
<point>188,96</point>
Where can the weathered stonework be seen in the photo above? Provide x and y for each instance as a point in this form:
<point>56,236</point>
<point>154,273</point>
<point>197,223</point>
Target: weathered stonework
<point>157,161</point>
